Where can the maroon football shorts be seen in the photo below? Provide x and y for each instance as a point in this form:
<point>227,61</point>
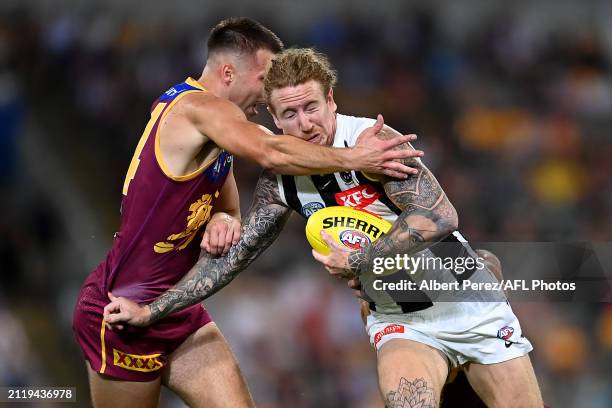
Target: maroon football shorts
<point>134,353</point>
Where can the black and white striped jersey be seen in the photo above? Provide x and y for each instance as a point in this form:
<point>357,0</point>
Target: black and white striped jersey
<point>307,194</point>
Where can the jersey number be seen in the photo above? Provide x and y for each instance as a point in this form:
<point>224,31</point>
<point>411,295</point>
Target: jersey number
<point>143,139</point>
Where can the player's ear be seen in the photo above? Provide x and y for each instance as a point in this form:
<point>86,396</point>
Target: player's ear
<point>330,100</point>
<point>228,73</point>
<point>271,110</point>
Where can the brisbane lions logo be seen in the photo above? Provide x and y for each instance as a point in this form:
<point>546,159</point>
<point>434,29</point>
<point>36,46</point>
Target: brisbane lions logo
<point>199,214</point>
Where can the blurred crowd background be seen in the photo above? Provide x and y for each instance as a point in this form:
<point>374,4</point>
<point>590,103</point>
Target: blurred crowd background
<point>512,103</point>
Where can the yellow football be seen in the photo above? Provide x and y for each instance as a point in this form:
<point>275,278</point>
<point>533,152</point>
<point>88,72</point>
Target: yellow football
<point>348,226</point>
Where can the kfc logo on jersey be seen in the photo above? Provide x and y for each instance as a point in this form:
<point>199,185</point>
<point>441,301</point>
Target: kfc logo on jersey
<point>357,197</point>
<point>354,239</point>
<point>392,328</point>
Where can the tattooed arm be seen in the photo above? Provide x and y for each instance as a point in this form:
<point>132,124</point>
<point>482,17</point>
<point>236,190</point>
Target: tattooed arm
<point>427,216</point>
<point>262,224</point>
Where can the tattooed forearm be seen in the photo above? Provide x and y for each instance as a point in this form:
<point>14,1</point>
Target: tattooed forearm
<point>427,216</point>
<point>262,224</point>
<point>411,394</point>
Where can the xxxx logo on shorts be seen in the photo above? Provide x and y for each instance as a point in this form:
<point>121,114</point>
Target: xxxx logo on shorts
<point>392,328</point>
<point>137,363</point>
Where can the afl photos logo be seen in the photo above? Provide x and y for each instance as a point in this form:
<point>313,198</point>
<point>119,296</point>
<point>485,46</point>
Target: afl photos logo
<point>354,239</point>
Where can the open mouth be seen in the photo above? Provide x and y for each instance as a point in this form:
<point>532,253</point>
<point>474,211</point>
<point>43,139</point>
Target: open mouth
<point>315,138</point>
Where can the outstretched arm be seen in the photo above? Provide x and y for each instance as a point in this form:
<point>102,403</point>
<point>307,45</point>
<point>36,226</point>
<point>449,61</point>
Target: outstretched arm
<point>427,216</point>
<point>226,125</point>
<point>261,225</point>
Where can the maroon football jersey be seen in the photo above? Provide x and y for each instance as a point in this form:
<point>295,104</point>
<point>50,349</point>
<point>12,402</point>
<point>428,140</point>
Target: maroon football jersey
<point>162,216</point>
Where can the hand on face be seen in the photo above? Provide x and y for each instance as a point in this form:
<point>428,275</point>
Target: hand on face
<point>305,111</point>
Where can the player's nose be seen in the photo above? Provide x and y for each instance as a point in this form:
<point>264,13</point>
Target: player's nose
<point>305,123</point>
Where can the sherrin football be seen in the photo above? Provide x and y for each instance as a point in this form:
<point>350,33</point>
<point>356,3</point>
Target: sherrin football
<point>348,226</point>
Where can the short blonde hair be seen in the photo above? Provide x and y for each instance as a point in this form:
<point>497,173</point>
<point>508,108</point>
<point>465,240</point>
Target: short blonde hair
<point>296,66</point>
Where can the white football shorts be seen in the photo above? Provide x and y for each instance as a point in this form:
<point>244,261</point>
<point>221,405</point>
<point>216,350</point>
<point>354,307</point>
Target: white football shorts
<point>477,332</point>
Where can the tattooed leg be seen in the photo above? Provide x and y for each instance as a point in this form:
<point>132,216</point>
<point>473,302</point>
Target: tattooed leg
<point>415,394</point>
<point>411,374</point>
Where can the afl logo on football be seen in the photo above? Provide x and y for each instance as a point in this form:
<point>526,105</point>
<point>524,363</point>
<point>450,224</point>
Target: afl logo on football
<point>354,239</point>
<point>505,332</point>
<point>311,208</point>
